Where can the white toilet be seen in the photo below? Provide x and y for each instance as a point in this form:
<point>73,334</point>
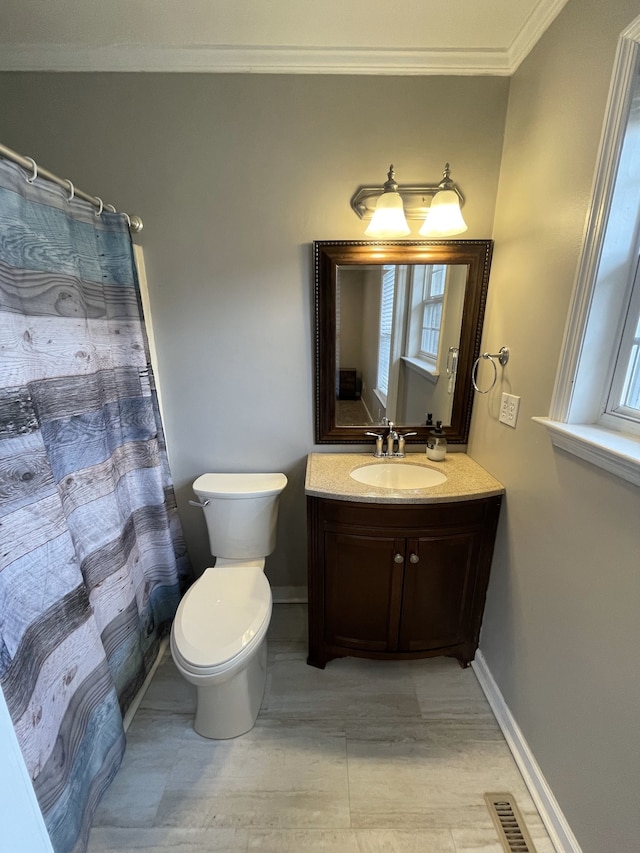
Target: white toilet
<point>218,637</point>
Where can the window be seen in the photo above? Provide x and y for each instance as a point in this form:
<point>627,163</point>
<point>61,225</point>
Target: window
<point>624,394</point>
<point>595,412</point>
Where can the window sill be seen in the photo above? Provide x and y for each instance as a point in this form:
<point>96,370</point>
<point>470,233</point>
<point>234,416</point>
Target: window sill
<point>614,452</point>
<point>422,368</point>
<point>380,397</point>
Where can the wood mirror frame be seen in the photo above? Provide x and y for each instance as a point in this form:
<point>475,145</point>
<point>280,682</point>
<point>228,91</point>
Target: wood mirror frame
<point>329,256</point>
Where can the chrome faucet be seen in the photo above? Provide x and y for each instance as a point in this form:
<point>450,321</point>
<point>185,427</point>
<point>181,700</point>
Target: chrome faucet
<point>392,437</point>
<point>394,440</point>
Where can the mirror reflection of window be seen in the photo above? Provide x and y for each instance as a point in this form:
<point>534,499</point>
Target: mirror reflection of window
<point>434,279</point>
<point>427,300</point>
<point>436,298</point>
<point>387,293</point>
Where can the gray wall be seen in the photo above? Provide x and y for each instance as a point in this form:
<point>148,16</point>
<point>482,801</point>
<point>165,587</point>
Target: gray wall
<point>560,633</point>
<point>235,176</point>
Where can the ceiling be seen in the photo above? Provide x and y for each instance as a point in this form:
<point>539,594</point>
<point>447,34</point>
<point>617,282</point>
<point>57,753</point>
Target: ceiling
<point>273,36</point>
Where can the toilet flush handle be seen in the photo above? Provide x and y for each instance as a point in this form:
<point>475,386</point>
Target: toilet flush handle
<point>201,504</point>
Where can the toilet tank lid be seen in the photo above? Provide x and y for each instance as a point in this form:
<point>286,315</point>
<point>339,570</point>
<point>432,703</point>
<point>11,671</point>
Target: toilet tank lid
<point>239,485</point>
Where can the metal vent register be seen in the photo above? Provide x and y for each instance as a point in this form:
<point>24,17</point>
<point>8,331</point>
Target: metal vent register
<point>509,824</point>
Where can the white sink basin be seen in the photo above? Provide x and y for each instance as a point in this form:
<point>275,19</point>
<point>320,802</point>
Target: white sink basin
<point>397,475</point>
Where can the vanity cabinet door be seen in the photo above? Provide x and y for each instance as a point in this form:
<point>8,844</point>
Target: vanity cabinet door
<point>362,590</point>
<point>438,591</point>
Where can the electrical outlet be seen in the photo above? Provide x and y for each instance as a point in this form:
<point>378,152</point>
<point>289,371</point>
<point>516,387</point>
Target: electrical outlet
<point>509,406</point>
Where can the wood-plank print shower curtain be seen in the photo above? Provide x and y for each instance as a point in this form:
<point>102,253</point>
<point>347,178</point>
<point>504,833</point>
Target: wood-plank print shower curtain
<point>92,561</point>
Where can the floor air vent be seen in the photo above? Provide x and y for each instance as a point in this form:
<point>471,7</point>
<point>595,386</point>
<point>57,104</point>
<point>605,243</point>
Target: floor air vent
<point>510,826</point>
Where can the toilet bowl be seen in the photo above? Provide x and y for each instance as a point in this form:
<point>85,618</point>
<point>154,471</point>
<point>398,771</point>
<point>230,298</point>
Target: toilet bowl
<point>218,637</point>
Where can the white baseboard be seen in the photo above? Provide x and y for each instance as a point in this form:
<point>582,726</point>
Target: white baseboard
<point>137,699</point>
<point>289,594</point>
<point>554,820</point>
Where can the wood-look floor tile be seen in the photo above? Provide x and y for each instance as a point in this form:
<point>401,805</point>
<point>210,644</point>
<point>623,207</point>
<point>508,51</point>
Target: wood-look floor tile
<point>405,841</point>
<point>307,840</point>
<point>116,840</point>
<point>445,690</point>
<point>447,733</point>
<point>253,808</point>
<point>476,839</point>
<point>346,688</point>
<point>153,744</point>
<point>294,754</point>
<point>351,841</point>
<point>130,801</point>
<point>169,691</point>
<point>279,774</point>
<point>426,779</point>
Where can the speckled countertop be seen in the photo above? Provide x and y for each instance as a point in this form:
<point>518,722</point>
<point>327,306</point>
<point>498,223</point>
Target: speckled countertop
<point>328,477</point>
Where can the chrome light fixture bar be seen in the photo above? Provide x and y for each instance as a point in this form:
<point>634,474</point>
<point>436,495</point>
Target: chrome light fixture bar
<point>417,203</point>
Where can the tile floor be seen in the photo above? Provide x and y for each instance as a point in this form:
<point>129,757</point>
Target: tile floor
<point>362,757</point>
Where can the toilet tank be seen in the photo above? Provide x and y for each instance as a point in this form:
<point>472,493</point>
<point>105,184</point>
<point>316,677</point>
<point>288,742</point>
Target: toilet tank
<point>241,512</point>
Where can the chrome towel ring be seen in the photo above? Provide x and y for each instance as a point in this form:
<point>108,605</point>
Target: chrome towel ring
<point>503,357</point>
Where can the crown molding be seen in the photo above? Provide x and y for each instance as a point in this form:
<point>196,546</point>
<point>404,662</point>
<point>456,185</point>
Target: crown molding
<point>542,16</point>
<point>276,59</point>
<point>251,60</point>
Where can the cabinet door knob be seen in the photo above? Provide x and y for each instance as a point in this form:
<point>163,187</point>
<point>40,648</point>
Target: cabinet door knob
<point>398,558</point>
<point>414,558</point>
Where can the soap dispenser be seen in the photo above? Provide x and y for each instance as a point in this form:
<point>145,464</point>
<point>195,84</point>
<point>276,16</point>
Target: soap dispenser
<point>437,443</point>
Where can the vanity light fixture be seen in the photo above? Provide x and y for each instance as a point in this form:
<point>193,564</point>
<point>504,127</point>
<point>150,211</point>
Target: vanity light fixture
<point>438,205</point>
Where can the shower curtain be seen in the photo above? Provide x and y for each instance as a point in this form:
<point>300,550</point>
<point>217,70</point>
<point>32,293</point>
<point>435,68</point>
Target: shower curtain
<point>92,560</point>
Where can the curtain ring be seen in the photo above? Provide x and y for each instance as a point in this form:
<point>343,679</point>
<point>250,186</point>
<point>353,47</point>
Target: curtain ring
<point>126,216</point>
<point>111,208</point>
<point>72,189</point>
<point>101,208</point>
<point>34,166</point>
<point>474,373</point>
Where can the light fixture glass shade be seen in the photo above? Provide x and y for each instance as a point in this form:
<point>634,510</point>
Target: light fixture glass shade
<point>444,218</point>
<point>388,218</point>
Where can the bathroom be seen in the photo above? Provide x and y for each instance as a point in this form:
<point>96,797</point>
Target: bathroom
<point>235,176</point>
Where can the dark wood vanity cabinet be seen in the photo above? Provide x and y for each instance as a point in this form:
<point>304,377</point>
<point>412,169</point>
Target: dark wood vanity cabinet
<point>398,581</point>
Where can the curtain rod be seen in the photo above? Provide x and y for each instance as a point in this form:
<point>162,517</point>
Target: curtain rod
<point>135,223</point>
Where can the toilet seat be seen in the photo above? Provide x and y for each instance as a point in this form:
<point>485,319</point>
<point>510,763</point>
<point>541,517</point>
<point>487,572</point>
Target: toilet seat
<point>222,617</point>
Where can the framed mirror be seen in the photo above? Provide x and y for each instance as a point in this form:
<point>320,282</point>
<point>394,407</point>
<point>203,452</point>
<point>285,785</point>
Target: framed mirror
<point>397,329</point>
